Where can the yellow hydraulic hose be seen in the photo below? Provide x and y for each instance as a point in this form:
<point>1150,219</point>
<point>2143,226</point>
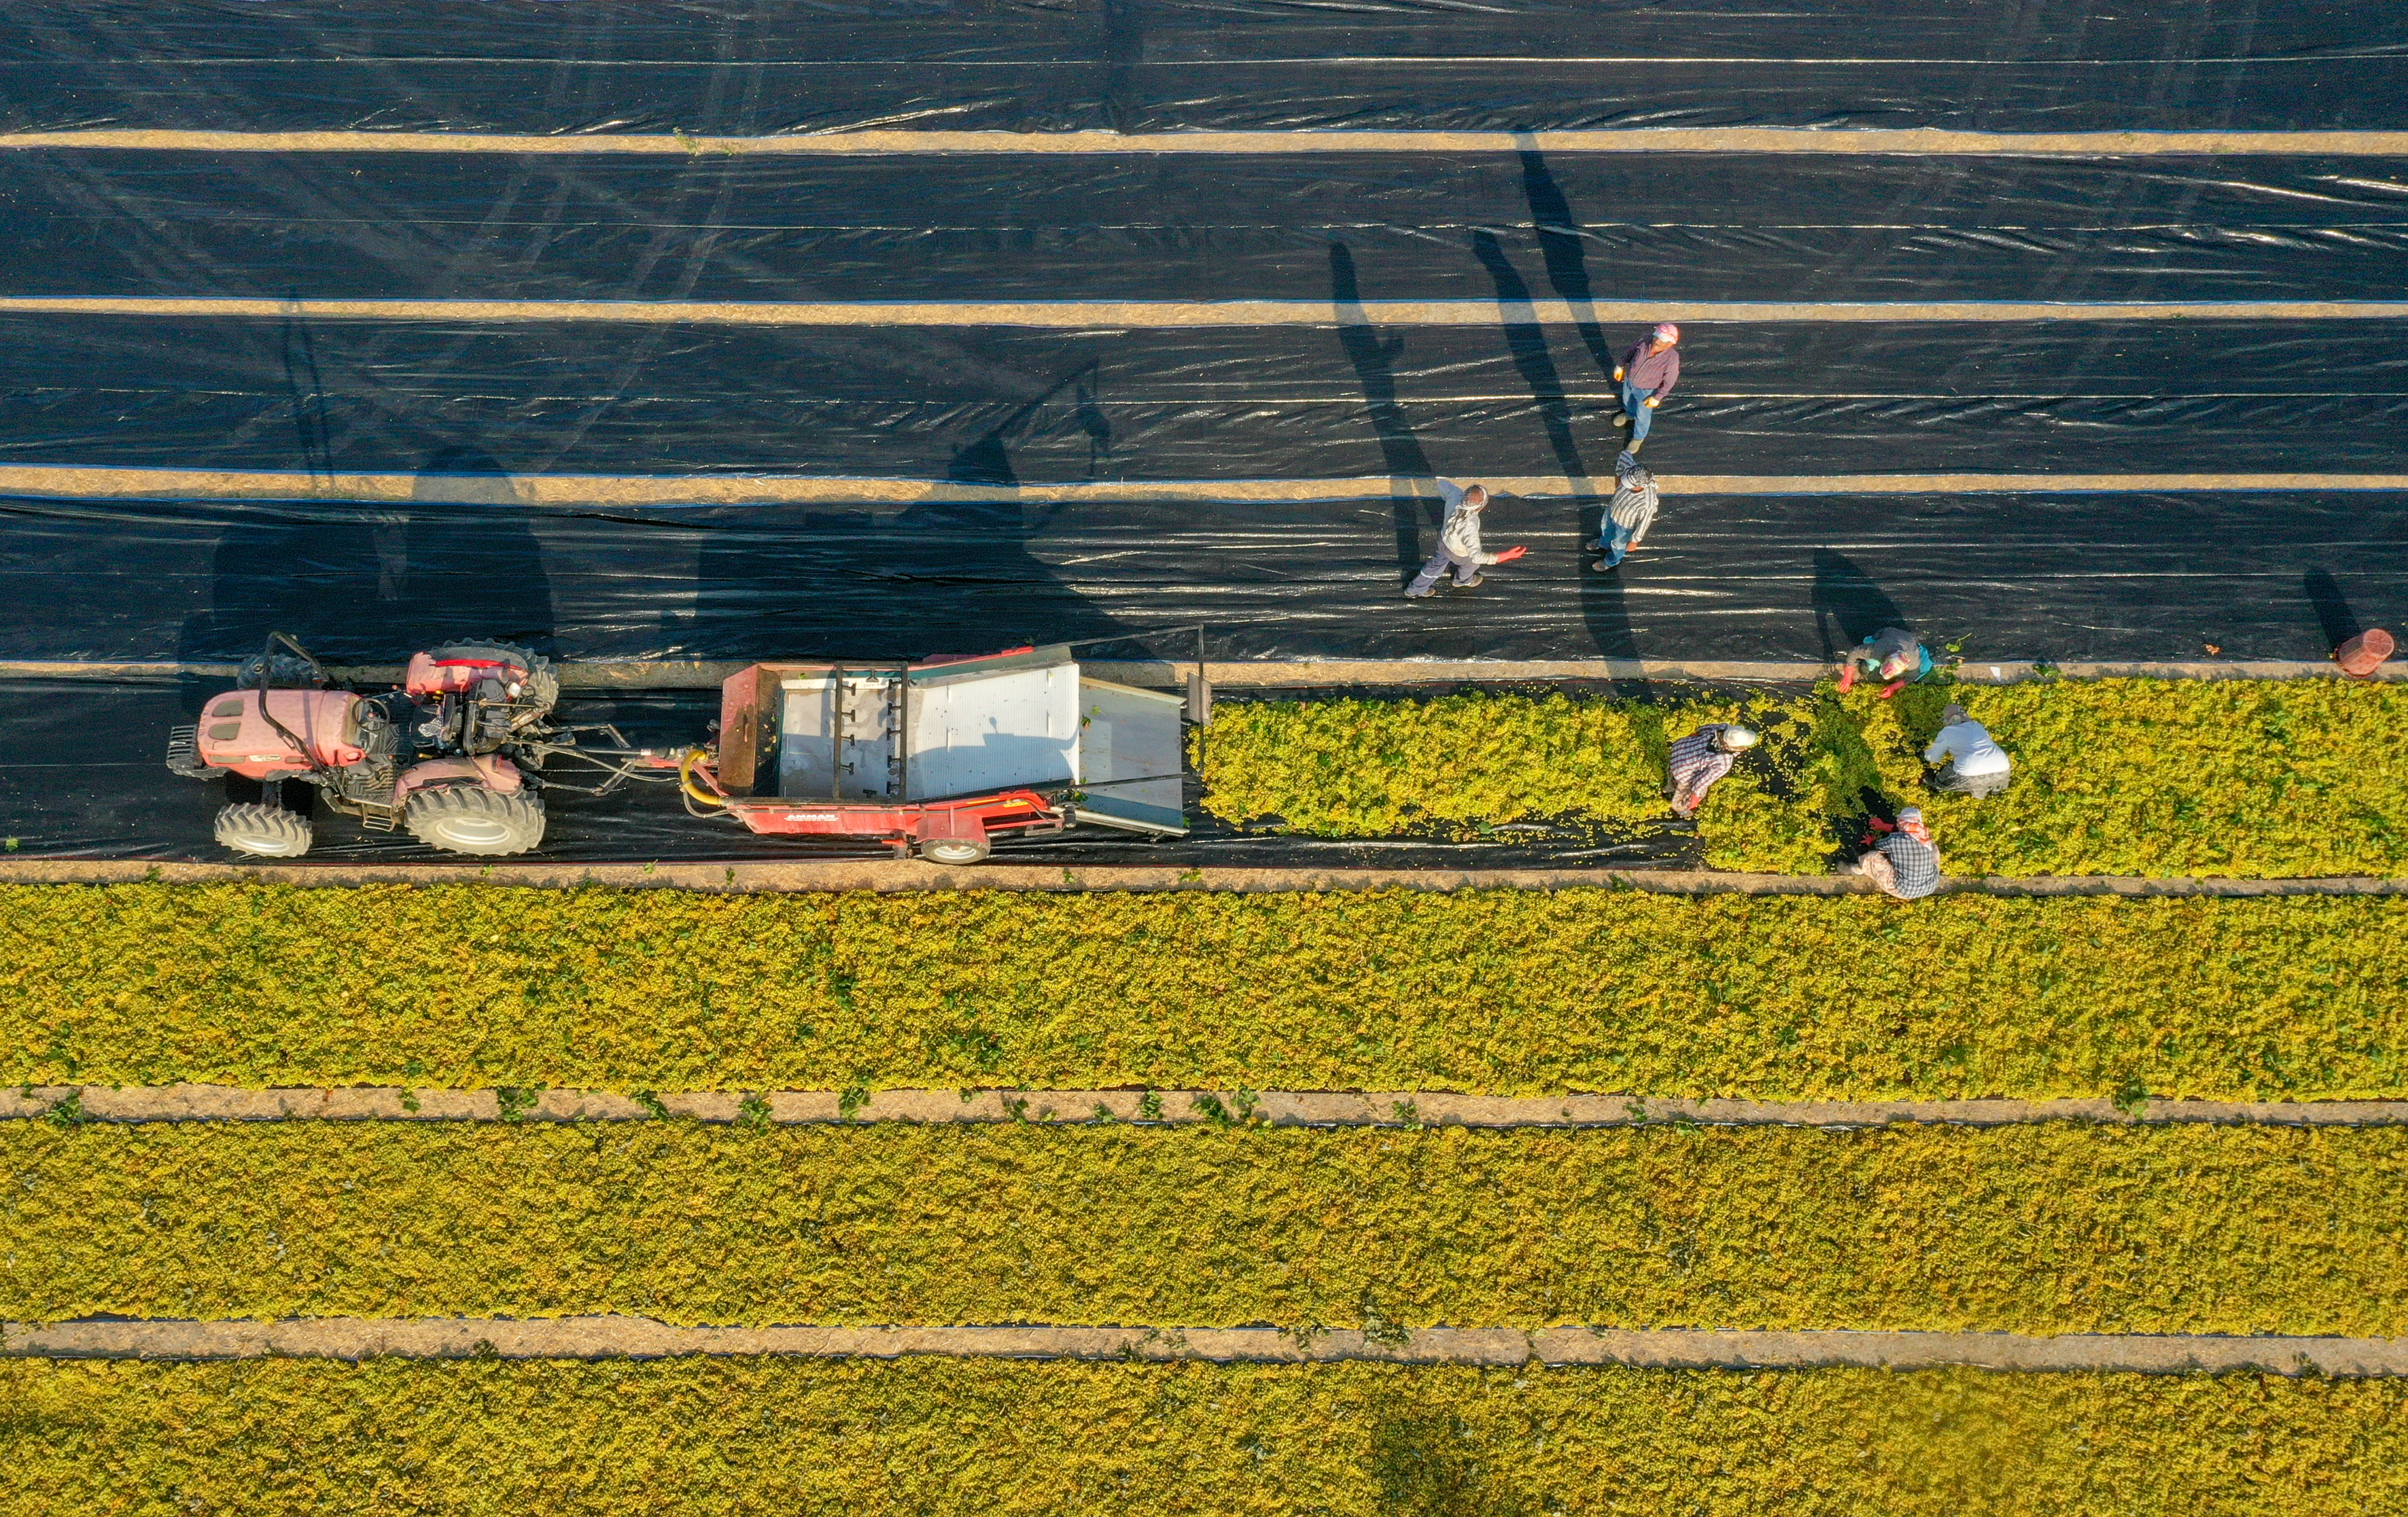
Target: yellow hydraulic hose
<point>685,777</point>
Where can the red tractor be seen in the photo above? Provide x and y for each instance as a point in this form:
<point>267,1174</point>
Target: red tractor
<point>455,755</point>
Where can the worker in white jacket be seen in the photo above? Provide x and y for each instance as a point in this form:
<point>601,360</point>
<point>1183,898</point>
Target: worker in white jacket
<point>1970,761</point>
<point>1459,542</point>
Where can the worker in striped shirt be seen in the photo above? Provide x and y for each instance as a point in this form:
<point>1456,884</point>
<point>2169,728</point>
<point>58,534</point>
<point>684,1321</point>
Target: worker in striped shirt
<point>1628,515</point>
<point>1905,863</point>
<point>1696,761</point>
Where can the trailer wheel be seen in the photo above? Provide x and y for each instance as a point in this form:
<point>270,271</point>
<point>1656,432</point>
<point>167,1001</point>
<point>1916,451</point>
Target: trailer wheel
<point>470,819</point>
<point>271,832</point>
<point>954,850</point>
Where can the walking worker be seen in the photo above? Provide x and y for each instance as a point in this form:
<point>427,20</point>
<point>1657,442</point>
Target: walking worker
<point>1696,761</point>
<point>1647,374</point>
<point>1627,516</point>
<point>1970,761</point>
<point>1894,653</point>
<point>1905,863</point>
<point>1459,542</point>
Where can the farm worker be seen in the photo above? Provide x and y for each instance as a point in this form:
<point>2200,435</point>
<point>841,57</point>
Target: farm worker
<point>1627,516</point>
<point>1970,761</point>
<point>1895,654</point>
<point>1647,374</point>
<point>1696,761</point>
<point>1459,542</point>
<point>1905,863</point>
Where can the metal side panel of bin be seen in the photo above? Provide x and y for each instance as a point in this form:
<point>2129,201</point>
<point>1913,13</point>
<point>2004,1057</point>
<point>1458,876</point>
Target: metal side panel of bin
<point>975,727</point>
<point>1132,735</point>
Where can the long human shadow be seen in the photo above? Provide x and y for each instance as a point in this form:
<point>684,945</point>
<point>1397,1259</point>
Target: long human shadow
<point>1374,360</point>
<point>1848,601</point>
<point>1560,249</point>
<point>1603,604</point>
<point>1527,343</point>
<point>306,392</point>
<point>2333,613</point>
<point>953,575</point>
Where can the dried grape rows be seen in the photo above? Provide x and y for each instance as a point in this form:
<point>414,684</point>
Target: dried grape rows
<point>1502,992</point>
<point>2043,1228</point>
<point>863,1439</point>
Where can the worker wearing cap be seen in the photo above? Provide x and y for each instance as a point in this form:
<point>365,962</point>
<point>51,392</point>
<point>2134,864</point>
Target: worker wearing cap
<point>1905,863</point>
<point>1647,374</point>
<point>1459,542</point>
<point>1627,516</point>
<point>1970,761</point>
<point>1696,761</point>
<point>1894,653</point>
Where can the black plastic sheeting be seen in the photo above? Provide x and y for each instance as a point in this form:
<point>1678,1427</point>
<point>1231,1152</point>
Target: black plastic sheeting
<point>1154,65</point>
<point>2060,577</point>
<point>1317,228</point>
<point>81,776</point>
<point>1006,407</point>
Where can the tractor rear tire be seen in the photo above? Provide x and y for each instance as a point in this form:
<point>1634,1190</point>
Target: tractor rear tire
<point>956,849</point>
<point>268,832</point>
<point>470,819</point>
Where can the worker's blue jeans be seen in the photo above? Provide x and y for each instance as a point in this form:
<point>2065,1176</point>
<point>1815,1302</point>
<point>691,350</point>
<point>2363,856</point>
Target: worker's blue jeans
<point>1634,405</point>
<point>1616,538</point>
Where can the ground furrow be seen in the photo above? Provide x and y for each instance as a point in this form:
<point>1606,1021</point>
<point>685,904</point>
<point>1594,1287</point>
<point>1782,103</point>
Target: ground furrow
<point>641,1337</point>
<point>1278,1109</point>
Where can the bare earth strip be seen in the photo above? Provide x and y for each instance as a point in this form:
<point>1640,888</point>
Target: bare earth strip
<point>1088,315</point>
<point>1285,1108</point>
<point>610,1338</point>
<point>1915,141</point>
<point>903,875</point>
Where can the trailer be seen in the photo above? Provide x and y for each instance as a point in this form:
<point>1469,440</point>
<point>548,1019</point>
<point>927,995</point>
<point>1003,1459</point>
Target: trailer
<point>943,755</point>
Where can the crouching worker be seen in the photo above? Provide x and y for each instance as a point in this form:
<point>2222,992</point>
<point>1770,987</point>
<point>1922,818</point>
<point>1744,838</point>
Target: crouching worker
<point>1696,761</point>
<point>1905,863</point>
<point>1459,542</point>
<point>1893,653</point>
<point>1970,761</point>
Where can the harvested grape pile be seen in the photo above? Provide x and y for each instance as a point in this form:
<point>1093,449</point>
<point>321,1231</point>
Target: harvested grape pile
<point>2231,778</point>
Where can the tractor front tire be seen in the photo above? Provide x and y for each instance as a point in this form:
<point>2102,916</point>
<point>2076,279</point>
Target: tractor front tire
<point>956,849</point>
<point>470,819</point>
<point>270,832</point>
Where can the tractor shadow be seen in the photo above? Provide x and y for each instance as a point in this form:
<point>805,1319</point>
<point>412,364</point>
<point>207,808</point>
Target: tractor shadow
<point>955,573</point>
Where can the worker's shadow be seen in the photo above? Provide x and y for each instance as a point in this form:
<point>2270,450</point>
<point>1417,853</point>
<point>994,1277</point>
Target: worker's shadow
<point>954,574</point>
<point>1603,604</point>
<point>1373,358</point>
<point>1849,607</point>
<point>2333,612</point>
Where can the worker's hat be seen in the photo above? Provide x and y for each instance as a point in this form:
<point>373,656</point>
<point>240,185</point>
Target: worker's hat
<point>1908,813</point>
<point>1894,665</point>
<point>1667,331</point>
<point>1952,713</point>
<point>1735,739</point>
